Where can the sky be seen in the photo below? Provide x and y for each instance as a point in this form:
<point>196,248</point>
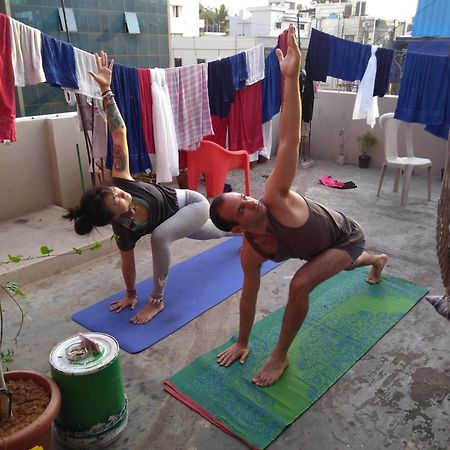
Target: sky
<point>384,9</point>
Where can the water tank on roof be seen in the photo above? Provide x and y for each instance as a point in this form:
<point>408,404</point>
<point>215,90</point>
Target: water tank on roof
<point>347,11</point>
<point>360,9</point>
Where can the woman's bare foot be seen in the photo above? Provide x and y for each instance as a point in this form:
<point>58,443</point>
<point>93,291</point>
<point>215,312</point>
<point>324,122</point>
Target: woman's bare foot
<point>271,372</point>
<point>374,276</point>
<point>153,307</point>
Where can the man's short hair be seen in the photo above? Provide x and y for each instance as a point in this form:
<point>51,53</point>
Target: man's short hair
<point>217,220</point>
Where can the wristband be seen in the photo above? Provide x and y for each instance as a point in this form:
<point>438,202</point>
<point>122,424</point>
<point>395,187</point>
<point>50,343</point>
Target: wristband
<point>131,291</point>
<point>107,94</point>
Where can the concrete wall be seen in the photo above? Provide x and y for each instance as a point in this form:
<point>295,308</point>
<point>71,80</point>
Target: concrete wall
<point>211,48</point>
<point>333,112</point>
<point>41,168</point>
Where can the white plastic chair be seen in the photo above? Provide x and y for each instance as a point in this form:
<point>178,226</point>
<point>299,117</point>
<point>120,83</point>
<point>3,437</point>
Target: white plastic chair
<point>405,164</point>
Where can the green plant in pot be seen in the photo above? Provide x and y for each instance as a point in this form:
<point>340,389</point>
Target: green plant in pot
<point>29,401</point>
<point>366,141</point>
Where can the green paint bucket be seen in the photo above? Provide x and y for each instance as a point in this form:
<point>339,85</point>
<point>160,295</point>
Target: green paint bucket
<point>94,407</point>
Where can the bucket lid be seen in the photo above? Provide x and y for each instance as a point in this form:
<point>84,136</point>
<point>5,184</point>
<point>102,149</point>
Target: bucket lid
<point>72,358</point>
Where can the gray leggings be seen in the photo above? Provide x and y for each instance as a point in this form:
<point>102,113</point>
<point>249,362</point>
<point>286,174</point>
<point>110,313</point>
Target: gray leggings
<point>192,221</point>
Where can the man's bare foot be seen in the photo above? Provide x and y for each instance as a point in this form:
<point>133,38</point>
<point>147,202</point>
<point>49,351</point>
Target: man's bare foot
<point>153,307</point>
<point>271,372</point>
<point>374,276</point>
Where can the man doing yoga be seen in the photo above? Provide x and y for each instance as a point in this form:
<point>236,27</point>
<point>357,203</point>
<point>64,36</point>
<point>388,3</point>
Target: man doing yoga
<point>284,225</point>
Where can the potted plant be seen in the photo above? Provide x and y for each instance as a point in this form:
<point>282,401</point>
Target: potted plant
<point>29,401</point>
<point>365,141</point>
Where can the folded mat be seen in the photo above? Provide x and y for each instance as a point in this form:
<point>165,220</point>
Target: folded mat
<point>347,316</point>
<point>193,287</point>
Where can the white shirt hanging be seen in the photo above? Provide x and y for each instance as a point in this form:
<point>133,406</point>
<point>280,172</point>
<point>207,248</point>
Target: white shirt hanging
<point>366,105</point>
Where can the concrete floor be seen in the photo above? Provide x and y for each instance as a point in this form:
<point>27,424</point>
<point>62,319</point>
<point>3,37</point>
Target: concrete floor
<point>396,397</point>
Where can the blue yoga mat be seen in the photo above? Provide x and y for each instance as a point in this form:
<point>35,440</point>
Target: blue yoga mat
<point>194,286</point>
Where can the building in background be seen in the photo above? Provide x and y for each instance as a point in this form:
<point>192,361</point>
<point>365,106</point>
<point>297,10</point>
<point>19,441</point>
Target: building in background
<point>269,20</point>
<point>184,18</point>
<point>134,32</point>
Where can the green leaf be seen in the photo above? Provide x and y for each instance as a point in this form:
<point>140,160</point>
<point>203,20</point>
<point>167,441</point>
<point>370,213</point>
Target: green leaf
<point>113,237</point>
<point>14,259</point>
<point>12,287</point>
<point>95,246</point>
<point>8,356</point>
<point>45,250</point>
<point>21,294</point>
<point>76,250</point>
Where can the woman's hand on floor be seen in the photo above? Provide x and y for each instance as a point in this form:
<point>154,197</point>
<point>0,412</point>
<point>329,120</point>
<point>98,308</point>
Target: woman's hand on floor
<point>125,302</point>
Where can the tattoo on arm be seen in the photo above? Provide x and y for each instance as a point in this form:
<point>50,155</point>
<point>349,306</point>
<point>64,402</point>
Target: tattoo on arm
<point>115,120</point>
<point>119,158</point>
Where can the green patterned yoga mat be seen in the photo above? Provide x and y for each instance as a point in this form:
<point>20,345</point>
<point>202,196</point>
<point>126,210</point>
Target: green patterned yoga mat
<point>347,316</point>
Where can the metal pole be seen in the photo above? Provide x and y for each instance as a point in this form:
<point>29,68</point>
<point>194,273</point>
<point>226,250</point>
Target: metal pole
<point>81,168</point>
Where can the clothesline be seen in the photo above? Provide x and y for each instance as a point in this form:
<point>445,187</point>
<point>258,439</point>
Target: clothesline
<point>187,96</point>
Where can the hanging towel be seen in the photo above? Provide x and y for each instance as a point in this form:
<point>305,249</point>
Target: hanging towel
<point>307,94</point>
<point>220,127</point>
<point>266,149</point>
<point>255,64</point>
<point>125,85</point>
<point>244,130</point>
<point>220,87</point>
<point>188,89</point>
<point>239,70</point>
<point>366,105</point>
<point>145,92</point>
<point>384,63</point>
<point>26,54</point>
<point>7,92</point>
<point>423,90</point>
<point>85,63</point>
<point>441,130</point>
<point>94,120</point>
<point>316,63</point>
<point>271,95</point>
<point>347,60</point>
<point>166,155</point>
<point>58,60</point>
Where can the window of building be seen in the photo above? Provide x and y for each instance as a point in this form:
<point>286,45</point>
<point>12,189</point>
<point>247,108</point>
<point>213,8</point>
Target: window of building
<point>178,62</point>
<point>70,18</point>
<point>201,60</point>
<point>132,23</point>
<point>176,11</point>
<point>302,26</point>
<point>278,25</point>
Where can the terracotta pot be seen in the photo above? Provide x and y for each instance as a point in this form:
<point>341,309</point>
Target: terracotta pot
<point>38,432</point>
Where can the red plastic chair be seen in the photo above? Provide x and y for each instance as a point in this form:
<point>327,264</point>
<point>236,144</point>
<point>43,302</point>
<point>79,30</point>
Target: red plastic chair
<point>214,162</point>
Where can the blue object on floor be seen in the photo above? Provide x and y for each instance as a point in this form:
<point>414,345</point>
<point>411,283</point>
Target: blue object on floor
<point>194,286</point>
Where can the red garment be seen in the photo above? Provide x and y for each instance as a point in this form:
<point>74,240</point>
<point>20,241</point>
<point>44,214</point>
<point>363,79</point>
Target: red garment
<point>145,93</point>
<point>182,159</point>
<point>220,127</point>
<point>7,92</point>
<point>283,45</point>
<point>245,127</point>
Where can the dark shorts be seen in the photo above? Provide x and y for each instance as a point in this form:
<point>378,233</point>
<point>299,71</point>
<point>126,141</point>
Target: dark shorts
<point>356,242</point>
<point>355,251</point>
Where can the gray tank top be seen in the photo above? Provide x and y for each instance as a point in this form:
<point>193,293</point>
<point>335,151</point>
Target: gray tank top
<point>324,229</point>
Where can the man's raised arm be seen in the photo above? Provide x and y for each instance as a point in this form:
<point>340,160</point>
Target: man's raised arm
<point>282,176</point>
